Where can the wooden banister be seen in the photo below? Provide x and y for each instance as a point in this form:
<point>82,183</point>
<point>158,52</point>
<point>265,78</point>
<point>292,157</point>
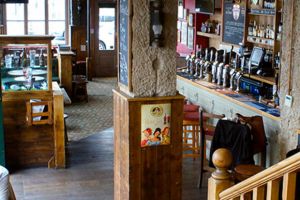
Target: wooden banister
<point>220,178</point>
<point>268,181</point>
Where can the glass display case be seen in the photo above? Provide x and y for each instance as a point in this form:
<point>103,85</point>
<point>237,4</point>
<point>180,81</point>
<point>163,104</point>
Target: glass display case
<point>26,63</point>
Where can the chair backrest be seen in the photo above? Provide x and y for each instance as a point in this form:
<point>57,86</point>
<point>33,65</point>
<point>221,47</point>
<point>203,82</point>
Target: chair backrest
<point>257,131</point>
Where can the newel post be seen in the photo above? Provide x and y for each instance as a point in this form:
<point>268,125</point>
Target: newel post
<point>220,179</point>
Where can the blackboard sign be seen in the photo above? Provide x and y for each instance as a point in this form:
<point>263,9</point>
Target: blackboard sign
<point>234,22</point>
<point>124,50</point>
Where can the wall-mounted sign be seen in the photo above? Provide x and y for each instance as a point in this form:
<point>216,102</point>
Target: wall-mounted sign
<point>156,121</point>
<point>124,42</point>
<point>234,22</point>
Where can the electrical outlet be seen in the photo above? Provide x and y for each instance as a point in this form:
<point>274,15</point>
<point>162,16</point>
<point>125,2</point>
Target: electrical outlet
<point>288,100</point>
<point>82,48</point>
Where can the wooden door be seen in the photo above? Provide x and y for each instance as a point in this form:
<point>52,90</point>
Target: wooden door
<point>105,59</point>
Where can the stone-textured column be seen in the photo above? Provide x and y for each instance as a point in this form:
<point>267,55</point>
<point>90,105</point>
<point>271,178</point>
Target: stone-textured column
<point>153,69</point>
<point>290,47</point>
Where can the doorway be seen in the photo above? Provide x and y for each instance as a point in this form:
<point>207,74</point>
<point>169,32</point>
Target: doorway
<point>105,40</point>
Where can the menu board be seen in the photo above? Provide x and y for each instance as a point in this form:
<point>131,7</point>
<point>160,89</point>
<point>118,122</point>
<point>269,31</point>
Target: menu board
<point>124,53</point>
<point>234,22</point>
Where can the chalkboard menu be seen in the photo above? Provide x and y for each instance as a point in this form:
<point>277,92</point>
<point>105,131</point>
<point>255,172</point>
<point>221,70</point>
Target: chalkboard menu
<point>124,51</point>
<point>234,22</point>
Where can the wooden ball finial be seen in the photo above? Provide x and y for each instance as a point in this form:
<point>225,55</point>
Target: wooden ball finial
<point>222,159</point>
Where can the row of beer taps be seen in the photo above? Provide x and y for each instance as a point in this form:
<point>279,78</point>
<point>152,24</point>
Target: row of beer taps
<point>216,66</point>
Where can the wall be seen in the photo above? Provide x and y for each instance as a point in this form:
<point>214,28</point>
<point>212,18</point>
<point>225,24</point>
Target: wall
<point>290,44</point>
<point>153,69</point>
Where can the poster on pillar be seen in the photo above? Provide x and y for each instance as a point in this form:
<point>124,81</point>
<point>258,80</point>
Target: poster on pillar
<point>155,124</point>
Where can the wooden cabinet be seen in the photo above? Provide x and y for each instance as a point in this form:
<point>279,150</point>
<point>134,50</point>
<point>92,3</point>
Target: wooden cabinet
<point>30,140</point>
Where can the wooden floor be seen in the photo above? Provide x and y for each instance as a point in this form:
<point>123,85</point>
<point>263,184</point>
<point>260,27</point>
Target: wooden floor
<point>89,175</point>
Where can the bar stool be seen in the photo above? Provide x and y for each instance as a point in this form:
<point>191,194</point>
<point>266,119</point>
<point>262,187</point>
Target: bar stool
<point>79,85</point>
<point>191,135</point>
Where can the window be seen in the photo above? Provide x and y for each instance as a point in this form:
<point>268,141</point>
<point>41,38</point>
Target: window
<point>107,28</point>
<point>38,17</point>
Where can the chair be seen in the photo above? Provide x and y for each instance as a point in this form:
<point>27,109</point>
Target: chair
<point>191,135</point>
<point>259,143</point>
<point>191,131</point>
<point>207,131</point>
<point>79,84</point>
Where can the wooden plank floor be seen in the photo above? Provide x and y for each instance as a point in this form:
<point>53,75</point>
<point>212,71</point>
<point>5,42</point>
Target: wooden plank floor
<point>89,175</point>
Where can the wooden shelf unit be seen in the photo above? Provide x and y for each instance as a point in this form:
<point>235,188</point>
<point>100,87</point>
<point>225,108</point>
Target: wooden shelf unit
<point>209,35</point>
<point>268,80</point>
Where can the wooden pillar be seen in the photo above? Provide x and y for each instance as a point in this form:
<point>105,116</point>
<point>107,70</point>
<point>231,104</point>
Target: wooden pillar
<point>65,70</point>
<point>220,179</point>
<point>146,172</point>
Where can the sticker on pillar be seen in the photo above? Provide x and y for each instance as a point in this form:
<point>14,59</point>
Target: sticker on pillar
<point>156,120</point>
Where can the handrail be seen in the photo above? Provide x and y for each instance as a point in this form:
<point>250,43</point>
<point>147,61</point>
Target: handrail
<point>289,165</point>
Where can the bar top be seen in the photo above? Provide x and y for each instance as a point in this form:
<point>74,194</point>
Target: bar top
<point>243,100</point>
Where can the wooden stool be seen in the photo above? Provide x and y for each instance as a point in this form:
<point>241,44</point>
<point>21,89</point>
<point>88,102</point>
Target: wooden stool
<point>79,87</point>
<point>191,135</point>
<point>243,172</point>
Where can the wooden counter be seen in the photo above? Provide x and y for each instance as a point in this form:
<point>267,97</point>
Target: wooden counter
<point>34,145</point>
<point>221,93</point>
<point>216,100</point>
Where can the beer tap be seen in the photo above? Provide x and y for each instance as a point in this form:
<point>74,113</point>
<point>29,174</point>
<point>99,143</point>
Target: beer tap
<point>233,72</point>
<point>192,64</point>
<point>225,75</point>
<point>214,68</point>
<point>202,63</point>
<point>220,69</point>
<point>188,62</point>
<point>198,61</point>
<point>238,79</point>
<point>208,66</point>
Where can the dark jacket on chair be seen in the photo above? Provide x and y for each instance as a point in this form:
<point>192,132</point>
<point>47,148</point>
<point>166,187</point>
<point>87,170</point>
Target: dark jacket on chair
<point>237,138</point>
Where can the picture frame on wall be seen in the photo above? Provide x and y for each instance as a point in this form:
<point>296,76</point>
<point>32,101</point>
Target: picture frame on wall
<point>190,38</point>
<point>190,19</point>
<point>180,9</point>
<point>184,32</point>
<point>179,25</point>
<point>185,13</point>
<point>178,36</point>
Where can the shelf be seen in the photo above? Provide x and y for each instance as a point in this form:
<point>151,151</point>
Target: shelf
<point>262,12</point>
<point>209,35</point>
<point>268,80</point>
<point>250,39</point>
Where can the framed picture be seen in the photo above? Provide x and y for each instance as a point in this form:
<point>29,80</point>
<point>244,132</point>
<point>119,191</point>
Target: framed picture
<point>190,20</point>
<point>180,9</point>
<point>190,37</point>
<point>179,25</point>
<point>178,36</point>
<point>155,124</point>
<point>184,32</point>
<point>185,13</point>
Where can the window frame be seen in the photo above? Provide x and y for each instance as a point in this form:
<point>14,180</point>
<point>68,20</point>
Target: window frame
<point>46,19</point>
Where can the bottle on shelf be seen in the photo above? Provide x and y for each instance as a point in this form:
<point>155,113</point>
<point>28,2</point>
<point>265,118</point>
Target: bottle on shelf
<point>250,28</point>
<point>24,59</point>
<point>275,91</point>
<point>41,59</point>
<point>254,33</point>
